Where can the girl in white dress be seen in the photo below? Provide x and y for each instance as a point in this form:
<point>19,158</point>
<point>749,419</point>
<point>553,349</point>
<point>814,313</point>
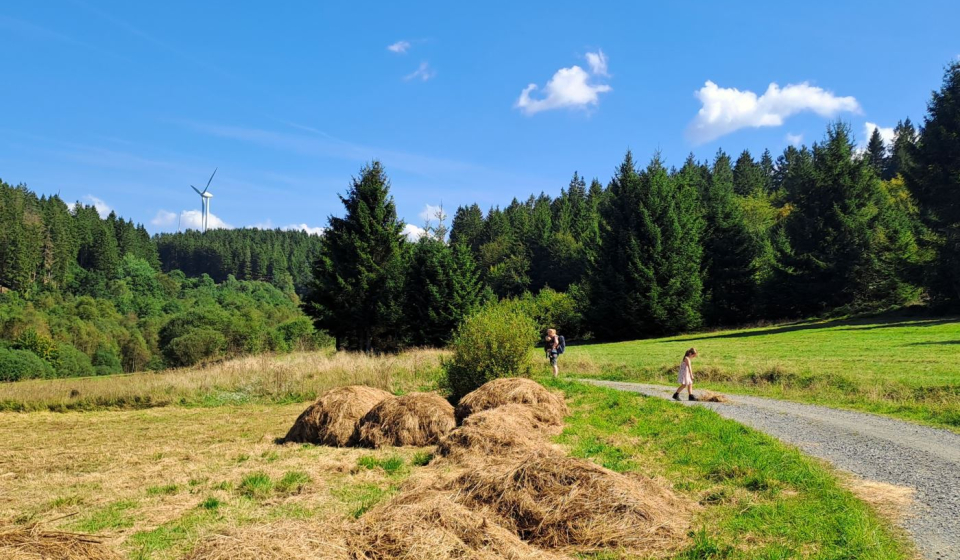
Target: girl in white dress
<point>685,377</point>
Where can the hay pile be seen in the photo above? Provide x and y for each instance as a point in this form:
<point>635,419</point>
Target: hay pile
<point>501,431</point>
<point>548,407</point>
<point>283,540</point>
<point>33,543</point>
<point>416,419</point>
<point>560,502</point>
<point>430,525</point>
<point>707,396</point>
<point>332,420</point>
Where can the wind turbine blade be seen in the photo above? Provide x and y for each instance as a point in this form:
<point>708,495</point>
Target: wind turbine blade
<point>196,189</point>
<point>211,179</point>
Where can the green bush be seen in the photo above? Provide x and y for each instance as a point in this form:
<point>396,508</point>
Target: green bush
<point>494,342</point>
<point>298,333</point>
<point>106,362</point>
<point>72,362</point>
<point>556,310</point>
<point>22,364</point>
<point>196,345</point>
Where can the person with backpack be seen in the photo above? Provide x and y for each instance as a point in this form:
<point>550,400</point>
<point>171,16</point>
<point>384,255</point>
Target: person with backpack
<point>554,346</point>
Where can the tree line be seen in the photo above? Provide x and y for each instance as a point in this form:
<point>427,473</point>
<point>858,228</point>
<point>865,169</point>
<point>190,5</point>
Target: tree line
<point>84,295</point>
<point>828,228</point>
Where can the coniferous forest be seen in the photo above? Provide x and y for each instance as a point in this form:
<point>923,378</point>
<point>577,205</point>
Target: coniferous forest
<point>658,249</point>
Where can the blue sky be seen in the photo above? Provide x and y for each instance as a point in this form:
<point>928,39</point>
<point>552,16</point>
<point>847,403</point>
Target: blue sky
<point>129,103</point>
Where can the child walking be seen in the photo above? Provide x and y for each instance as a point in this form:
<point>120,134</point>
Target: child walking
<point>685,378</point>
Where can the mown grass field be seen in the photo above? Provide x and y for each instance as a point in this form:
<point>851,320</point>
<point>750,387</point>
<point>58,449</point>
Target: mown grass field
<point>159,481</point>
<point>900,366</point>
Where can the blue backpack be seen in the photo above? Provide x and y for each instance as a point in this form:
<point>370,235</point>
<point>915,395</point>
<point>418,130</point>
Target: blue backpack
<point>561,344</point>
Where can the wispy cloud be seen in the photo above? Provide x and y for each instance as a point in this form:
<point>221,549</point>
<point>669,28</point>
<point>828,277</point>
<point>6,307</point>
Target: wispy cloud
<point>430,213</point>
<point>187,219</point>
<point>413,232</point>
<point>598,63</point>
<point>422,73</point>
<point>312,230</point>
<point>102,207</point>
<point>725,110</point>
<point>568,88</point>
<point>400,47</point>
<point>794,139</point>
<point>886,134</point>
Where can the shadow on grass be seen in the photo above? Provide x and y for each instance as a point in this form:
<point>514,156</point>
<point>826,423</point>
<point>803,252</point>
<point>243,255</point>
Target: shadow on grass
<point>942,342</point>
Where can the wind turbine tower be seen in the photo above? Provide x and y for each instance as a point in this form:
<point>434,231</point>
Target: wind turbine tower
<point>205,202</point>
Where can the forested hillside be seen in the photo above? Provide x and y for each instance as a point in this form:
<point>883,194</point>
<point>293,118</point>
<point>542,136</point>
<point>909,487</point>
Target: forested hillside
<point>81,295</point>
<point>282,258</point>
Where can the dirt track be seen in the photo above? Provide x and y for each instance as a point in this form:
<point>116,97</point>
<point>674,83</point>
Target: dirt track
<point>870,446</point>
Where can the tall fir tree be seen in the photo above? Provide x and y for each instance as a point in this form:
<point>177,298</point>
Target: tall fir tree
<point>900,161</point>
<point>748,176</point>
<point>877,153</point>
<point>358,276</point>
<point>647,279</point>
<point>443,287</point>
<point>934,178</point>
<point>729,255</point>
<point>839,231</point>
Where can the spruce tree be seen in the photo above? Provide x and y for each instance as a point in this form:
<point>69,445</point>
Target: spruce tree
<point>729,257</point>
<point>877,153</point>
<point>358,275</point>
<point>901,153</point>
<point>748,176</point>
<point>844,234</point>
<point>934,178</point>
<point>647,280</point>
<point>443,287</point>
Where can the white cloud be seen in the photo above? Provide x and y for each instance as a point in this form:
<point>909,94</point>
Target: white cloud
<point>726,110</point>
<point>304,227</point>
<point>400,47</point>
<point>429,213</point>
<point>413,232</point>
<point>188,219</point>
<point>794,139</point>
<point>423,72</point>
<point>598,63</point>
<point>164,218</point>
<point>885,133</point>
<point>569,87</point>
<point>102,208</point>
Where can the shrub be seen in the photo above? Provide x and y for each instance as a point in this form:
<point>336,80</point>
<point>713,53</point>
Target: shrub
<point>556,310</point>
<point>298,333</point>
<point>106,362</point>
<point>196,345</point>
<point>494,342</point>
<point>72,362</point>
<point>22,364</point>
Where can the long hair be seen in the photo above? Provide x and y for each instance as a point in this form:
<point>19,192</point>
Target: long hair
<point>690,352</point>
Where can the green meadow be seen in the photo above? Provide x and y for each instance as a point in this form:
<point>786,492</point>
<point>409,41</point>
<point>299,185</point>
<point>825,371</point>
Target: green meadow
<point>898,365</point>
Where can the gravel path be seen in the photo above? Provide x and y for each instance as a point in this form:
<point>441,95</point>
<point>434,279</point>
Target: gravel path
<point>873,447</point>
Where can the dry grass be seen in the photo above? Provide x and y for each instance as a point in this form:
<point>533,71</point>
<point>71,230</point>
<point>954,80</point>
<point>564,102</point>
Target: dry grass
<point>281,540</point>
<point>415,419</point>
<point>888,500</point>
<point>293,377</point>
<point>709,396</point>
<point>431,525</point>
<point>333,419</point>
<point>35,543</point>
<point>547,406</point>
<point>560,502</point>
<point>145,479</point>
<point>501,431</point>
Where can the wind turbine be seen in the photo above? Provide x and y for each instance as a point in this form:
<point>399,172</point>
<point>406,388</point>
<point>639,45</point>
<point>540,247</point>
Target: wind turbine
<point>205,201</point>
